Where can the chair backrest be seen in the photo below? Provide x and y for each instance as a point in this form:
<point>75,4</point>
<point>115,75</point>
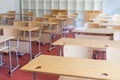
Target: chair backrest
<point>74,15</point>
<point>20,23</point>
<point>11,32</point>
<point>11,11</point>
<point>92,25</point>
<point>34,24</point>
<point>77,51</point>
<point>54,20</point>
<point>113,54</point>
<point>48,16</point>
<point>38,19</point>
<point>11,14</point>
<point>29,14</point>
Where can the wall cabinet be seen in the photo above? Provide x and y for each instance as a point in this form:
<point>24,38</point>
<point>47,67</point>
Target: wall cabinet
<point>41,7</point>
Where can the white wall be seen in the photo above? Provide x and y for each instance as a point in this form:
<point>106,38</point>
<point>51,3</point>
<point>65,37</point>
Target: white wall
<point>6,5</point>
<point>111,7</point>
<point>17,6</point>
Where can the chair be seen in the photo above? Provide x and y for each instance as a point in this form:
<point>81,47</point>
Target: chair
<point>28,16</point>
<point>14,43</point>
<point>10,17</point>
<point>64,27</point>
<point>34,35</point>
<point>113,54</point>
<point>78,52</point>
<point>55,30</point>
<point>19,24</point>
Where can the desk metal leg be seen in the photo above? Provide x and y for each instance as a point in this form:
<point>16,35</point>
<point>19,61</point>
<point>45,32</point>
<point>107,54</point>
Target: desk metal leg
<point>61,50</point>
<point>34,76</point>
<point>30,44</point>
<point>1,62</point>
<point>74,22</point>
<point>10,57</point>
<point>39,52</point>
<point>96,54</point>
<point>102,55</point>
<point>51,47</point>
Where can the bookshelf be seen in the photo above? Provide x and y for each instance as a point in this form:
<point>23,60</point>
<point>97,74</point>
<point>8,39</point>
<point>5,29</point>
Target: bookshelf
<point>42,7</point>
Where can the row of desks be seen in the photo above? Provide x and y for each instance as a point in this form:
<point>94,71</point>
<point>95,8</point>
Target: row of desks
<point>81,68</point>
<point>30,30</point>
<point>93,43</point>
<point>84,68</point>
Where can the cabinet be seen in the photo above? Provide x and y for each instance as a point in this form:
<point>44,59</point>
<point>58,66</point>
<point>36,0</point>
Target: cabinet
<point>41,7</point>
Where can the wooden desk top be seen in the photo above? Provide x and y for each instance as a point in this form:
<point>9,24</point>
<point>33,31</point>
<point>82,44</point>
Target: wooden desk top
<point>94,43</point>
<point>86,68</point>
<point>112,24</point>
<point>22,28</point>
<point>5,38</point>
<point>96,30</point>
<point>60,18</point>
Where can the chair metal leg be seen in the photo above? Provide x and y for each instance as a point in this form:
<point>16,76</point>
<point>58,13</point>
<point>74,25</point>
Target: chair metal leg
<point>1,62</point>
<point>39,50</point>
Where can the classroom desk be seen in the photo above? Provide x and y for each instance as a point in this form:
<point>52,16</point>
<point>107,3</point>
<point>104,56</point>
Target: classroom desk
<point>30,39</point>
<point>97,31</point>
<point>76,67</point>
<point>62,19</point>
<point>4,39</point>
<point>50,31</point>
<point>94,43</point>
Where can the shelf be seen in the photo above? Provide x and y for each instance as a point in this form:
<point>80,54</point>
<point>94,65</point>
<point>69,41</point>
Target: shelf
<point>40,4</point>
<point>80,4</point>
<point>72,5</point>
<point>55,4</point>
<point>42,7</point>
<point>47,4</point>
<point>63,4</point>
<point>40,13</point>
<point>25,4</point>
<point>32,4</point>
<point>89,4</point>
<point>98,5</point>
